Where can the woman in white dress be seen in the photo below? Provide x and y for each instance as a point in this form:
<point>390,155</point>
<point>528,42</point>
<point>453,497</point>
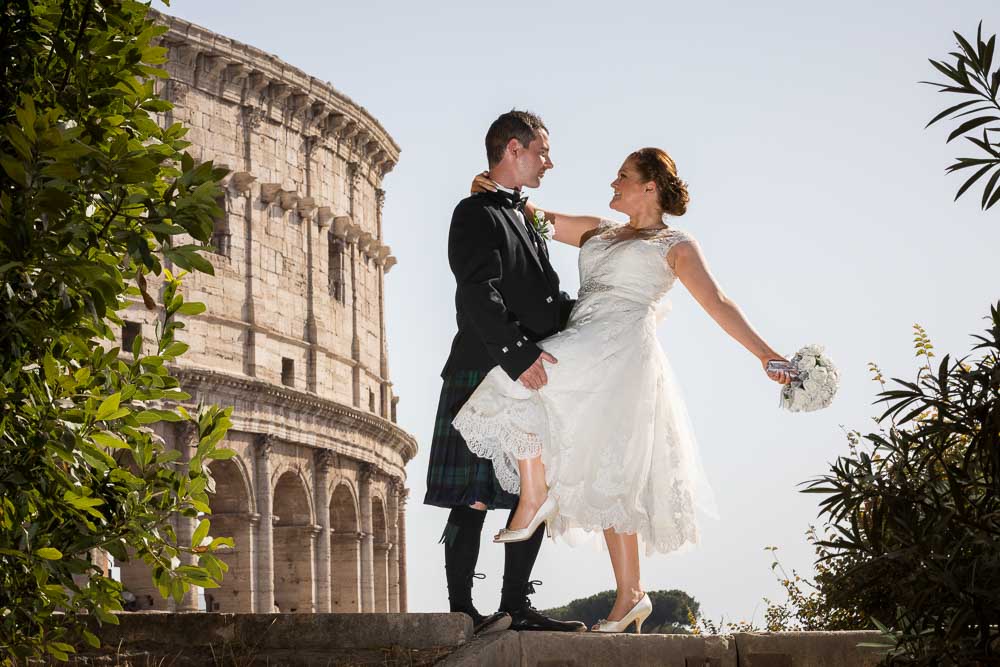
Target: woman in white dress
<point>599,440</point>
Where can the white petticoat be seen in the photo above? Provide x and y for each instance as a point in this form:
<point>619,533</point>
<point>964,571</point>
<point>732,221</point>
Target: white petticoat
<point>610,424</point>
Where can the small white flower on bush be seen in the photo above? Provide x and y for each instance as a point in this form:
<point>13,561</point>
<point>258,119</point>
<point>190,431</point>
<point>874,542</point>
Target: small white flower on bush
<point>544,228</point>
<point>816,384</point>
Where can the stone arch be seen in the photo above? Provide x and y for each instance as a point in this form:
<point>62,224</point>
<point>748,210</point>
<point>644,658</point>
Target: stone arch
<point>381,548</point>
<point>294,537</point>
<point>286,470</point>
<point>232,516</point>
<point>345,549</point>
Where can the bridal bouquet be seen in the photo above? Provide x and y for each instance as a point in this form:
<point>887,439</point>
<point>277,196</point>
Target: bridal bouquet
<point>815,383</point>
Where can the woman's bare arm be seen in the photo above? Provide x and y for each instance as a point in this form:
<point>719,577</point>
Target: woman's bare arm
<point>689,265</point>
<point>569,228</point>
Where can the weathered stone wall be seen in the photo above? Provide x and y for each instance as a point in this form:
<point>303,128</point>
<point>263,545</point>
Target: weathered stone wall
<point>294,336</point>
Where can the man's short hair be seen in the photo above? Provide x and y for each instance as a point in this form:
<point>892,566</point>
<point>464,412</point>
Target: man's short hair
<point>520,125</point>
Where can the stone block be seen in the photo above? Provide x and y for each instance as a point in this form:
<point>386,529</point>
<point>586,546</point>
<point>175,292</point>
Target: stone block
<point>591,649</point>
<point>807,649</point>
<point>499,648</point>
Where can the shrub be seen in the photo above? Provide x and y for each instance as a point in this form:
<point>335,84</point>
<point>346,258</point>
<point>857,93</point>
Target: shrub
<point>93,193</point>
<point>915,509</point>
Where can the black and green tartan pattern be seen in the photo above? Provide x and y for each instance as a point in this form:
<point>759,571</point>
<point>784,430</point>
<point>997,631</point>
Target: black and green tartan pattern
<point>456,476</point>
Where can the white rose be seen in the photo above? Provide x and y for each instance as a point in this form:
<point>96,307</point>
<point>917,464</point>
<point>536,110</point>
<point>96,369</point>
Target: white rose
<point>806,363</point>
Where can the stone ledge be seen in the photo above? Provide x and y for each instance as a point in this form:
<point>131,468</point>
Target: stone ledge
<point>555,649</point>
<point>198,639</point>
<point>161,631</point>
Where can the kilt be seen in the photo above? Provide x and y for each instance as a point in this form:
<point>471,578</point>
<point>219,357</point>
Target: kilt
<point>455,476</point>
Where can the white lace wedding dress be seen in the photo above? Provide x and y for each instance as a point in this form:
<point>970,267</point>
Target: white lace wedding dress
<point>610,423</point>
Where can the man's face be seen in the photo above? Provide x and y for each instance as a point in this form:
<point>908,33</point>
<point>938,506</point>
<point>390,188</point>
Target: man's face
<point>532,162</point>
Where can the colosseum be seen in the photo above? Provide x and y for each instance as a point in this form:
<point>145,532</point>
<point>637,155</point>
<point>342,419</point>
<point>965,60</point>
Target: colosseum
<point>294,337</point>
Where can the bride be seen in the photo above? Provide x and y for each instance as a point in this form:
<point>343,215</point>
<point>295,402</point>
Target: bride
<point>599,439</point>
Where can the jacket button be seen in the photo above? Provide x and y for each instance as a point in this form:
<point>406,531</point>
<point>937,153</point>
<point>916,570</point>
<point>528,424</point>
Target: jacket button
<point>548,300</point>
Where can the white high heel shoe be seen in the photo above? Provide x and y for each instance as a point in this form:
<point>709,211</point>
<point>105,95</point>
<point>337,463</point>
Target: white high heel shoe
<point>544,513</point>
<point>638,613</point>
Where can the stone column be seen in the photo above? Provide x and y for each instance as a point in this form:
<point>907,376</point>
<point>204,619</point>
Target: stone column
<point>381,568</point>
<point>265,534</point>
<point>251,120</point>
<point>306,207</point>
<point>353,179</point>
<point>253,586</point>
<point>324,461</point>
<point>186,438</point>
<point>392,519</point>
<point>314,533</point>
<point>384,392</point>
<point>365,473</point>
<point>404,494</point>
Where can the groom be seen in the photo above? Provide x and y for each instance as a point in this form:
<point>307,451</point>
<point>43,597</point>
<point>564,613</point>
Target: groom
<point>507,297</point>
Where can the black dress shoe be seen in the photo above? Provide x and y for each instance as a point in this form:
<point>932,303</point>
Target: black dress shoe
<point>528,618</point>
<point>497,622</point>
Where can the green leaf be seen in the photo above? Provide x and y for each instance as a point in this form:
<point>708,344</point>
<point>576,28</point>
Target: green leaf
<point>989,187</point>
<point>221,454</point>
<point>82,502</point>
<point>14,169</point>
<point>91,639</point>
<point>105,439</point>
<point>192,308</point>
<point>175,349</point>
<point>971,125</point>
<point>49,553</point>
<point>26,116</point>
<point>975,177</point>
<point>993,200</point>
<point>950,110</point>
<point>200,533</point>
<point>108,406</point>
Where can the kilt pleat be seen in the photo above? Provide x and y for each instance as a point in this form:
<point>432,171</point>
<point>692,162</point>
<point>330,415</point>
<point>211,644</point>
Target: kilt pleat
<point>455,476</point>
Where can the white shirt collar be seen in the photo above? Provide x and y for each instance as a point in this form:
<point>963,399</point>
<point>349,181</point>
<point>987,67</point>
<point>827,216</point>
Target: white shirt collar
<point>502,188</point>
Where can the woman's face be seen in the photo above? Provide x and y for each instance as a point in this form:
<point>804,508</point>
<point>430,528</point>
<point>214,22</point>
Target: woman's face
<point>631,192</point>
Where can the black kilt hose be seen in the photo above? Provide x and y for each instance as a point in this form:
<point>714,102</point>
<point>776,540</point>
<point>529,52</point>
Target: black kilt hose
<point>506,298</point>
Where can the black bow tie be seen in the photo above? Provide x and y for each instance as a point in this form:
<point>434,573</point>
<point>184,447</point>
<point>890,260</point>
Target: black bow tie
<point>514,199</point>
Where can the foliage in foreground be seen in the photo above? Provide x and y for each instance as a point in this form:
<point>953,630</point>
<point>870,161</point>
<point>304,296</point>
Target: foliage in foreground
<point>915,509</point>
<point>93,196</point>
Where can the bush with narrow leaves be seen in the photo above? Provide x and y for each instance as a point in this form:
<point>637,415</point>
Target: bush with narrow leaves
<point>915,509</point>
<point>94,197</point>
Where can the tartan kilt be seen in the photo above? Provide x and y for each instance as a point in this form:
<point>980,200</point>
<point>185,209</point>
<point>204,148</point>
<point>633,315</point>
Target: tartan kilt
<point>455,476</point>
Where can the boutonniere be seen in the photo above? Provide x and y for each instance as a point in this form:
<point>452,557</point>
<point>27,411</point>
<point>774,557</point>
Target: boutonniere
<point>544,228</point>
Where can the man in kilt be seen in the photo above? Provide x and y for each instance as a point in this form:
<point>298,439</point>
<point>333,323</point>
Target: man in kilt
<point>507,297</point>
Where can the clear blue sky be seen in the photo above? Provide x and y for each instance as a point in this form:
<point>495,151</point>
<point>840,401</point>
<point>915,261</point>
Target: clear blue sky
<point>819,200</point>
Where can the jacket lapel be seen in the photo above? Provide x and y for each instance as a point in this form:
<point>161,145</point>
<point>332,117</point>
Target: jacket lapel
<point>522,234</point>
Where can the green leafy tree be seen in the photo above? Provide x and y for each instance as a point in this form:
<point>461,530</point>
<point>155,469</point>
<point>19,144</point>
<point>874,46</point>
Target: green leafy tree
<point>970,76</point>
<point>94,197</point>
<point>915,509</point>
<point>669,616</point>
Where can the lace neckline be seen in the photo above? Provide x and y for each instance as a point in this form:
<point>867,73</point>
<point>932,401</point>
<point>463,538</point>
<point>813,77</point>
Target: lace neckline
<point>612,232</point>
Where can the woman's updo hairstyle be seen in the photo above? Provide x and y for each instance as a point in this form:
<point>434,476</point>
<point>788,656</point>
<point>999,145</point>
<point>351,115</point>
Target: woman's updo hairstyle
<point>653,164</point>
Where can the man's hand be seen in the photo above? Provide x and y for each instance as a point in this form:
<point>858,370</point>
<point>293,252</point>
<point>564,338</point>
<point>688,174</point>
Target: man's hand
<point>534,377</point>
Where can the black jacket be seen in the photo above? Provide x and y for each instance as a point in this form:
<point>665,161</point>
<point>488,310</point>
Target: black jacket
<point>507,294</point>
